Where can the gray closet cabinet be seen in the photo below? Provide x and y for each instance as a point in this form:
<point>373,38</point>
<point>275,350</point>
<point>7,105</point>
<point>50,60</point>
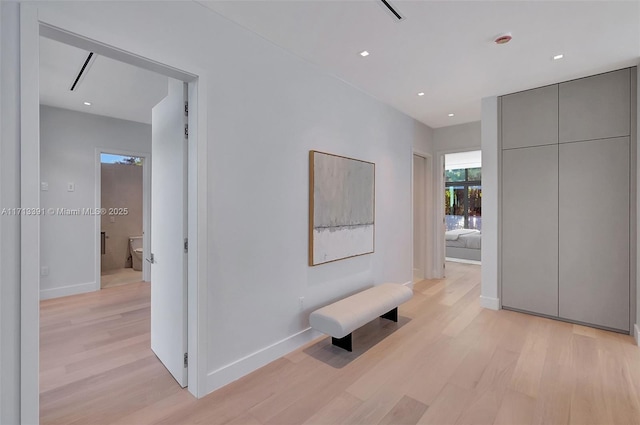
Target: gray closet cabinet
<point>594,232</point>
<point>529,232</point>
<point>530,118</point>
<point>597,107</point>
<point>565,210</point>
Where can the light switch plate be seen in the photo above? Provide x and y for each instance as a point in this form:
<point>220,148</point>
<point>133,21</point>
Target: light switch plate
<point>44,186</point>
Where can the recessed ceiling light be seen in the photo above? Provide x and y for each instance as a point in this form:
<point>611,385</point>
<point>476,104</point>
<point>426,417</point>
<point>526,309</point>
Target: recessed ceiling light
<point>87,103</point>
<point>503,38</point>
<point>556,57</point>
<point>451,115</point>
<point>421,93</point>
<point>364,53</point>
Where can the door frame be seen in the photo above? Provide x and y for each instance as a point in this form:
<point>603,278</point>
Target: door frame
<point>34,23</point>
<point>440,185</point>
<point>146,207</point>
<point>428,244</point>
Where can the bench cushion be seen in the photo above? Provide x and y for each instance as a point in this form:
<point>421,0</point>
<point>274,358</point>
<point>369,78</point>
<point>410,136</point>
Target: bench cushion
<point>343,317</point>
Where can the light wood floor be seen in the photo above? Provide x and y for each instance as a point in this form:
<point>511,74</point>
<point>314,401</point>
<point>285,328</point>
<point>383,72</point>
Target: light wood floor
<point>117,277</point>
<point>447,361</point>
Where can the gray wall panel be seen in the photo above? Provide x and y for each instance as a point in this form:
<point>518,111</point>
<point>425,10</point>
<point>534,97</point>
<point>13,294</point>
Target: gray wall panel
<point>596,107</point>
<point>530,118</point>
<point>594,232</point>
<point>530,229</point>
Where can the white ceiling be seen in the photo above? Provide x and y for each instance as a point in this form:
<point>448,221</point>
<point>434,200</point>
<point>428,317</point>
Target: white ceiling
<point>445,48</point>
<point>472,159</point>
<point>442,48</point>
<point>115,89</point>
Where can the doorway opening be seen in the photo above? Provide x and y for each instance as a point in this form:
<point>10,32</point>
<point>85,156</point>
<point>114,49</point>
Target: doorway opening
<point>86,121</point>
<point>463,206</point>
<point>81,219</point>
<point>123,193</point>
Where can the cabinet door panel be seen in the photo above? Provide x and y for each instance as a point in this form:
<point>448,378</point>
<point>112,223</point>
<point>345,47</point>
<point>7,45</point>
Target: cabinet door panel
<point>530,118</point>
<point>594,232</point>
<point>596,107</point>
<point>530,229</point>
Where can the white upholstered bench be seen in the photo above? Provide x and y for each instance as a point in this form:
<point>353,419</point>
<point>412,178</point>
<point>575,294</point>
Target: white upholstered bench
<point>341,318</point>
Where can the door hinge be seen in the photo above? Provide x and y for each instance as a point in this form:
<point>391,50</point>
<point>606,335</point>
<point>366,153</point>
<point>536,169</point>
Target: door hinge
<point>186,245</point>
<point>186,359</point>
<point>186,109</point>
<point>186,130</point>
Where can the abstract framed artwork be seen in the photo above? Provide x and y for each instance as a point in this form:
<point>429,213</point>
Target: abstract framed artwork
<point>341,207</point>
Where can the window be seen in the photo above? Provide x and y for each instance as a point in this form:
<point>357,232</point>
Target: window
<point>109,158</point>
<point>463,198</point>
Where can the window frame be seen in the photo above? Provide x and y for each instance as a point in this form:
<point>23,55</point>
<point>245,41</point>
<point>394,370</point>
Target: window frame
<point>466,184</point>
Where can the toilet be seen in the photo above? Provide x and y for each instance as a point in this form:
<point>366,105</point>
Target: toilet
<point>135,246</point>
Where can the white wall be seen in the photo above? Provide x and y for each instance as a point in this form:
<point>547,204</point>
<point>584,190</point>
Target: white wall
<point>266,109</point>
<point>1,204</point>
<point>423,139</point>
<point>489,295</point>
<point>10,225</point>
<point>457,138</point>
<point>258,203</point>
<point>68,142</point>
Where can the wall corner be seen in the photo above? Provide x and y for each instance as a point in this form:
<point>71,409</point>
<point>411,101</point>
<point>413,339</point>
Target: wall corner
<point>489,303</point>
<point>490,202</point>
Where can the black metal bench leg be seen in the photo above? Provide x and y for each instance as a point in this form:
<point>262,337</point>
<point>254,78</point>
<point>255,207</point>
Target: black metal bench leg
<point>391,315</point>
<point>344,343</point>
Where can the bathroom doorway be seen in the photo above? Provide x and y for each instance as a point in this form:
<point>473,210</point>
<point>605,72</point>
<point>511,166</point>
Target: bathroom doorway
<point>71,143</point>
<point>123,193</point>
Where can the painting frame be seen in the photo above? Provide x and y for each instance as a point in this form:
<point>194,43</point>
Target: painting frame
<point>341,207</point>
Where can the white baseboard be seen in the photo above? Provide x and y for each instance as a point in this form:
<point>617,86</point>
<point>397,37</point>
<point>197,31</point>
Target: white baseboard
<point>236,370</point>
<point>64,291</point>
<point>408,284</point>
<point>462,260</point>
<point>418,275</point>
<point>636,334</point>
<point>490,302</point>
